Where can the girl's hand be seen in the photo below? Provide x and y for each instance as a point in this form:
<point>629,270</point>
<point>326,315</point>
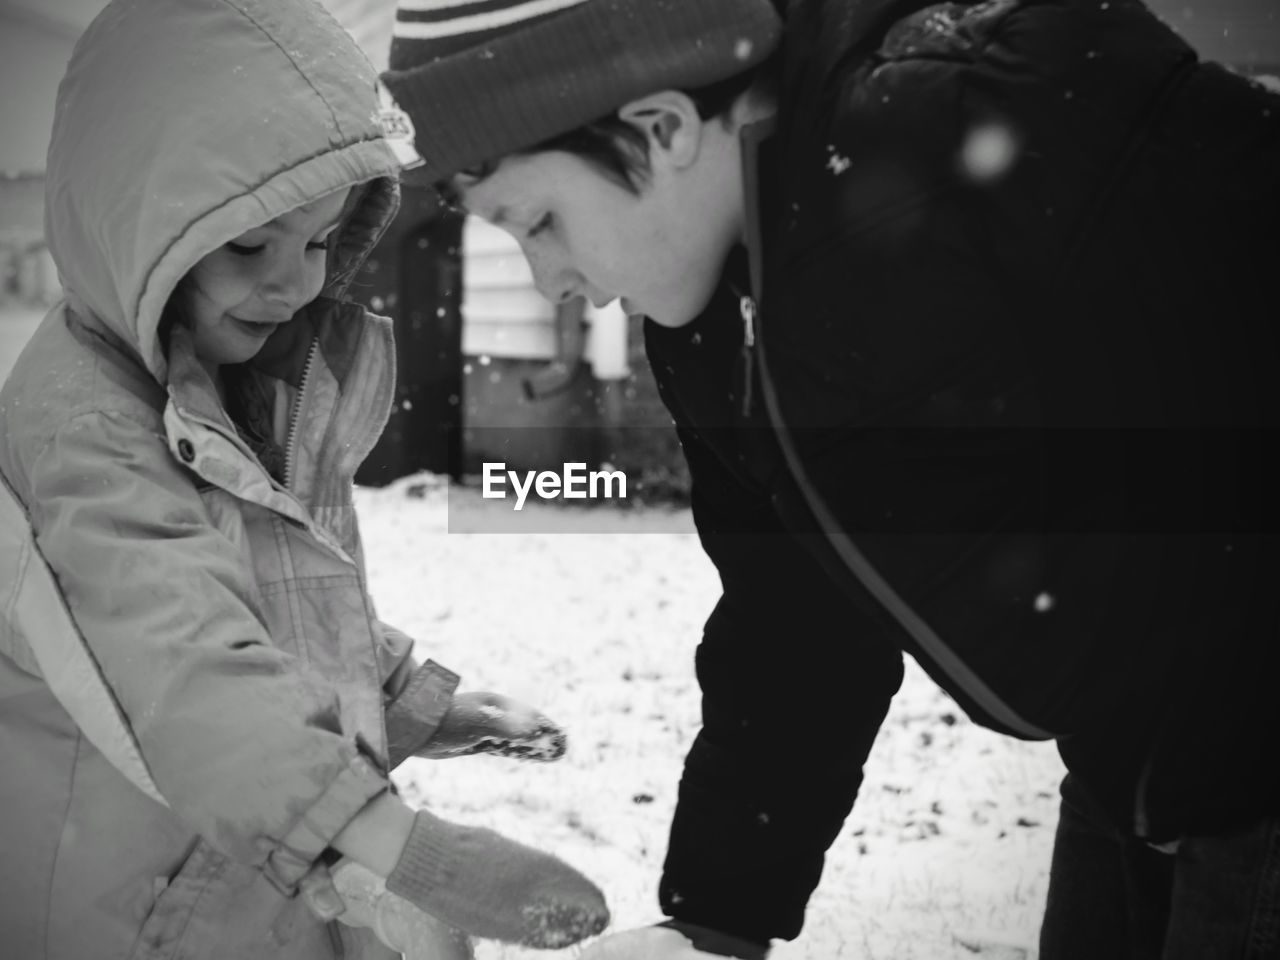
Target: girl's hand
<point>492,723</point>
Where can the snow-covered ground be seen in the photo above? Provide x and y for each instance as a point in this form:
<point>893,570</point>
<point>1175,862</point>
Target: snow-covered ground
<point>944,857</point>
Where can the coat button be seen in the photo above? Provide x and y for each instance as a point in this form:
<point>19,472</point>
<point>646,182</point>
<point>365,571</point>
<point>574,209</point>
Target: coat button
<point>186,451</point>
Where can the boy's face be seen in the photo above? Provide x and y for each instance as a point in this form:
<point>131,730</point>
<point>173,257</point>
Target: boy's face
<point>661,251</point>
<point>236,296</point>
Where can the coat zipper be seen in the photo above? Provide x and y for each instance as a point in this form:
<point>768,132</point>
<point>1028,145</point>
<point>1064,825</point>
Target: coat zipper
<point>1141,822</point>
<point>291,437</point>
<point>853,559</point>
<point>747,307</point>
<point>1142,788</point>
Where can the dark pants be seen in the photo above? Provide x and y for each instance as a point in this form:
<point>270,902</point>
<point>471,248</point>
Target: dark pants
<point>1112,897</point>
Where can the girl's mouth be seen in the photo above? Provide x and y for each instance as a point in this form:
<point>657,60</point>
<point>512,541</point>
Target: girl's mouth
<point>253,329</point>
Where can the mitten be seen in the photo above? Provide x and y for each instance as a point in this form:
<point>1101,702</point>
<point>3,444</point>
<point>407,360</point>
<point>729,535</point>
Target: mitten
<point>492,723</point>
<point>479,881</point>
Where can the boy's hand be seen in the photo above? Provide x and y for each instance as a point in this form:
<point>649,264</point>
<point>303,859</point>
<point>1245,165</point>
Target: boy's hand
<point>492,723</point>
<point>479,881</point>
<point>668,943</point>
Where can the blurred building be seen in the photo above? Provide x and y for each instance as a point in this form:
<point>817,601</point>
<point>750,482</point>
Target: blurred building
<point>27,272</point>
<point>35,44</point>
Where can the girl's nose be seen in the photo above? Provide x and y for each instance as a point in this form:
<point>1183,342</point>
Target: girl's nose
<point>292,283</point>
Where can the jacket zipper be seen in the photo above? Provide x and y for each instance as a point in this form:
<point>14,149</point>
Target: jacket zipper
<point>852,558</point>
<point>291,437</point>
<point>1142,788</point>
<point>1141,822</point>
<point>747,307</point>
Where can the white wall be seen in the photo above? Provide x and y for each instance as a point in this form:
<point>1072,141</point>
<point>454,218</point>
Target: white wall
<point>33,56</point>
<point>502,314</point>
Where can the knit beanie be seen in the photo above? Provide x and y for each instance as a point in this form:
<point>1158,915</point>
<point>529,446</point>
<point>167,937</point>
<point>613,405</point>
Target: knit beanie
<point>480,79</point>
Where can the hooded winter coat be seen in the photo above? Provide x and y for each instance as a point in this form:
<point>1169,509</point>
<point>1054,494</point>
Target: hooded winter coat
<point>178,762</point>
<point>990,383</point>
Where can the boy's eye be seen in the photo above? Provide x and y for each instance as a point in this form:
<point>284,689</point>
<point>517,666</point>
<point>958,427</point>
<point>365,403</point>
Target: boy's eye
<point>319,244</point>
<point>544,222</point>
<point>245,250</point>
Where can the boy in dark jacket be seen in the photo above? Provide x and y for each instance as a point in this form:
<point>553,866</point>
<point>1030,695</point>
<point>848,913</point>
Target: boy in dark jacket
<point>961,313</point>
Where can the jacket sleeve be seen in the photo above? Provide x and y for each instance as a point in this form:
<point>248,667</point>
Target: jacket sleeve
<point>417,695</point>
<point>795,684</point>
<point>244,741</point>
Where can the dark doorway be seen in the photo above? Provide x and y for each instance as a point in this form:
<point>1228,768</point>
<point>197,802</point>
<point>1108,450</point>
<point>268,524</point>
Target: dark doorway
<point>415,276</point>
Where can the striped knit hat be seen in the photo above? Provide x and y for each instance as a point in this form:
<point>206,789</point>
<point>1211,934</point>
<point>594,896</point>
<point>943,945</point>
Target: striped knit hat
<point>480,79</point>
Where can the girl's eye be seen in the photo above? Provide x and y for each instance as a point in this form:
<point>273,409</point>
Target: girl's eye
<point>544,223</point>
<point>319,244</point>
<point>244,250</point>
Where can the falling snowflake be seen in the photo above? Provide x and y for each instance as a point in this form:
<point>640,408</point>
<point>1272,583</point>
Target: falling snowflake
<point>988,152</point>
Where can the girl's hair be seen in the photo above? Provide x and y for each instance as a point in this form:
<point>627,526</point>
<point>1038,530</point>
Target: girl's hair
<point>171,314</point>
<point>618,149</point>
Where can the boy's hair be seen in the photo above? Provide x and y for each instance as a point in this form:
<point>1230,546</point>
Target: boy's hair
<point>616,148</point>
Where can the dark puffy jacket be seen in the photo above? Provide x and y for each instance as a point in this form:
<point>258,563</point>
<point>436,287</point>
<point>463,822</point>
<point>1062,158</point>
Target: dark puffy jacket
<point>1007,408</point>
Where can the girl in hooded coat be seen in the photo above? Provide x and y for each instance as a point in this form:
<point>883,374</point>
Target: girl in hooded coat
<point>181,435</point>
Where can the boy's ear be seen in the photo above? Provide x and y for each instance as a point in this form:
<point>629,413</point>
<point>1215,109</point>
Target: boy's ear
<point>669,121</point>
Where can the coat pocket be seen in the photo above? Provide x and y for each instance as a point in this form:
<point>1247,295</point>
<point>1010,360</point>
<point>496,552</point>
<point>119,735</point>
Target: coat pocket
<point>164,931</point>
<point>217,909</point>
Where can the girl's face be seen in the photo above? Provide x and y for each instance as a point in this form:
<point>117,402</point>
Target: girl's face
<point>234,297</point>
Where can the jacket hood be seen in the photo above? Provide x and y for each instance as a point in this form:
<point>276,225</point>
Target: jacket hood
<point>181,124</point>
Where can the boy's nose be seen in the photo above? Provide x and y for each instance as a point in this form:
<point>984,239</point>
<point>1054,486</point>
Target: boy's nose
<point>555,282</point>
<point>558,288</point>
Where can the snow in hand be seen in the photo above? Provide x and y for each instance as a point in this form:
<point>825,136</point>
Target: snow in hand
<point>946,853</point>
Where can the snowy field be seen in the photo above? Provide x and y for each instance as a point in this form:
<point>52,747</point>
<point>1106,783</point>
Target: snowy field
<point>945,856</point>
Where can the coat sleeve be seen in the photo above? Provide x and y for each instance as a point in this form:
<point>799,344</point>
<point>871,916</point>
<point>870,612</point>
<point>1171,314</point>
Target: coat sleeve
<point>795,684</point>
<point>243,740</point>
<point>417,696</point>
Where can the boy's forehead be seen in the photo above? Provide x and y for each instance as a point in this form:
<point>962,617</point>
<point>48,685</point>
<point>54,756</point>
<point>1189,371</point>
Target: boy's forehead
<point>515,183</point>
<point>493,195</point>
